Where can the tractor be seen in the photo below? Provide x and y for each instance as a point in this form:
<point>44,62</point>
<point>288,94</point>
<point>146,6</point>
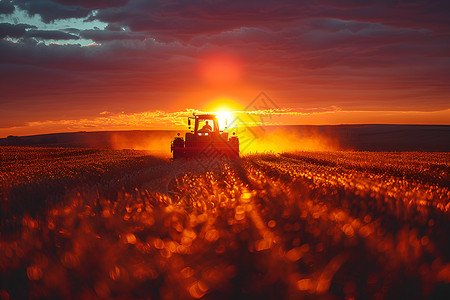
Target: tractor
<point>207,140</point>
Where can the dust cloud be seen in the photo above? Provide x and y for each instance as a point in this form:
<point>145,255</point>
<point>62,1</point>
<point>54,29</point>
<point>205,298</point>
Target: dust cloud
<point>285,139</point>
<point>156,143</point>
<point>252,140</point>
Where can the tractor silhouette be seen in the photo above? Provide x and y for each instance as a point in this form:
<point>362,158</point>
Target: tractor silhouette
<point>207,140</point>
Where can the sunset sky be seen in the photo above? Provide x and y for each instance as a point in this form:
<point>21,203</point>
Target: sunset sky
<point>69,65</point>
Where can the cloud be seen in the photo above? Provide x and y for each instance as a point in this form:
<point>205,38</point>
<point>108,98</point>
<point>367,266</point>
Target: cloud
<point>318,44</point>
<point>50,35</point>
<point>30,31</point>
<point>74,80</point>
<point>164,120</point>
<point>99,36</point>
<point>13,30</point>
<point>187,19</point>
<point>50,11</point>
<point>147,119</point>
<point>94,4</point>
<point>346,4</point>
<point>6,7</point>
<point>114,27</point>
<point>421,14</point>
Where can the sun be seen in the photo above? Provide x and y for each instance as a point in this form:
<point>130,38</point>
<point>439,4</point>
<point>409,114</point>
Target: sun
<point>227,109</point>
<point>225,118</point>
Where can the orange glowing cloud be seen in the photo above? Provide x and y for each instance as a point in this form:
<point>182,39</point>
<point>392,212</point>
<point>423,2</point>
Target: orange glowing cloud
<point>162,120</point>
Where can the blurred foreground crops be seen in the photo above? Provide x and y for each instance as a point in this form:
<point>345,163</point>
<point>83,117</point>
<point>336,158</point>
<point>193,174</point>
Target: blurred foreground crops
<point>120,224</point>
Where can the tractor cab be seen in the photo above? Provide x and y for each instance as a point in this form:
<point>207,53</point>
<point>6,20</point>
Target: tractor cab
<point>205,127</point>
<point>206,137</point>
<point>205,124</point>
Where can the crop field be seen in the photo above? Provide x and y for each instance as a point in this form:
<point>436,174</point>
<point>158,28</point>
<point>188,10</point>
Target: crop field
<point>85,223</point>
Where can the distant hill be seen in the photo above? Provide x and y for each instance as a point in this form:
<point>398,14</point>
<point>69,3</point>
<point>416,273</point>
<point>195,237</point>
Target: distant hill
<point>140,139</point>
<point>380,137</point>
<point>432,138</point>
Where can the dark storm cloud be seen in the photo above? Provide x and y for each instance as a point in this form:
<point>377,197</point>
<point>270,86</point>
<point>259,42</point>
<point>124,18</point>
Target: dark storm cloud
<point>306,38</point>
<point>50,11</point>
<point>118,59</point>
<point>186,19</point>
<point>13,30</point>
<point>6,7</point>
<point>171,20</point>
<point>321,43</point>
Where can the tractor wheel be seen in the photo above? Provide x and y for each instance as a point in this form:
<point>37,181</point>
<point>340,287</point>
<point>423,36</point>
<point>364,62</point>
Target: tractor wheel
<point>178,154</point>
